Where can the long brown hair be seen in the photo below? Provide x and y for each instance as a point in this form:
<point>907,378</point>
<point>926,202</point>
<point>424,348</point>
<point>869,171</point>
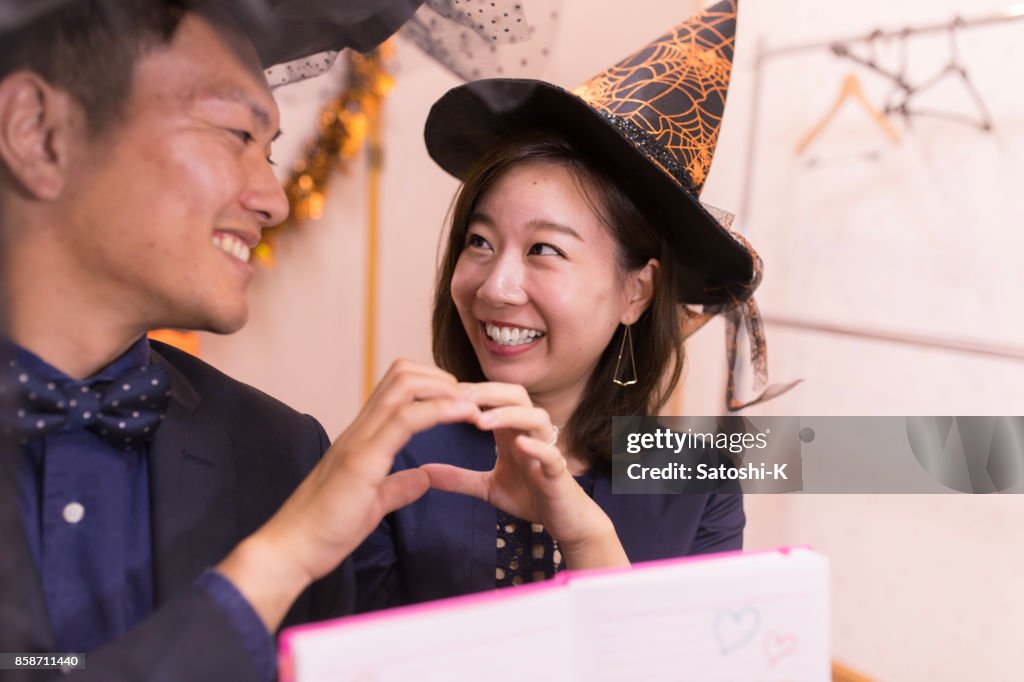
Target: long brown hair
<point>639,236</point>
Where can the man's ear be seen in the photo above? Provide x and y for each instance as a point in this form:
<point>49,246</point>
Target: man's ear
<point>37,125</point>
<point>640,289</point>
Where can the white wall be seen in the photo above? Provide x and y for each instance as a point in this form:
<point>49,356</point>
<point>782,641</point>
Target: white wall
<point>925,239</point>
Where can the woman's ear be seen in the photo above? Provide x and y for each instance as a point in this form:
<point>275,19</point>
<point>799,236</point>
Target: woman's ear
<point>640,290</point>
<point>37,125</point>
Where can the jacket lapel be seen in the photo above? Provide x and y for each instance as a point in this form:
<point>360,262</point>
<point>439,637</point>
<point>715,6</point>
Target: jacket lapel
<point>24,618</point>
<point>192,484</point>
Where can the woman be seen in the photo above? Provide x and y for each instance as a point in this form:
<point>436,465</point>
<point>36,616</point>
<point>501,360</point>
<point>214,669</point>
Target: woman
<point>574,239</point>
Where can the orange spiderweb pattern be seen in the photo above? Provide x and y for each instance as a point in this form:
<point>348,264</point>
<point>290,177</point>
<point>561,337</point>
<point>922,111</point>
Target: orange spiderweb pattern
<point>674,89</point>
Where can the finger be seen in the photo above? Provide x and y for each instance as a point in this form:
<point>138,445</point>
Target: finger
<point>403,369</point>
<point>403,366</point>
<point>416,386</point>
<point>455,479</point>
<point>497,394</point>
<point>402,488</point>
<point>414,417</point>
<point>550,458</point>
<point>369,453</point>
<point>404,390</point>
<point>533,420</point>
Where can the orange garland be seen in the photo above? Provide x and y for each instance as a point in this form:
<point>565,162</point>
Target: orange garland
<point>343,126</point>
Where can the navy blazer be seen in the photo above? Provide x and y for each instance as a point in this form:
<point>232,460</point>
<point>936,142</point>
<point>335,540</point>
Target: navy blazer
<point>224,460</point>
<point>443,545</point>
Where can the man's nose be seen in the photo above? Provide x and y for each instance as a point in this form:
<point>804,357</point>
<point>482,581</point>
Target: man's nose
<point>265,196</point>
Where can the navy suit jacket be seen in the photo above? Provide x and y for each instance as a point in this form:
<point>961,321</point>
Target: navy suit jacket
<point>443,545</point>
<point>224,460</point>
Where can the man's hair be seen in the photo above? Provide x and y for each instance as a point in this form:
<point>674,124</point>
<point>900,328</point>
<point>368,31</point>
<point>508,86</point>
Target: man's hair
<point>639,235</point>
<point>89,48</point>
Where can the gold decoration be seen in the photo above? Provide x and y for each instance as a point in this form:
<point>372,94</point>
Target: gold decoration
<point>375,155</point>
<point>343,126</point>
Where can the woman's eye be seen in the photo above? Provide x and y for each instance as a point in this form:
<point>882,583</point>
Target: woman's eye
<point>545,250</point>
<point>477,242</point>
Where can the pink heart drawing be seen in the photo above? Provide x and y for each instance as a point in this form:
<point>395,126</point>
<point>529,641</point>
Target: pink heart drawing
<point>779,646</point>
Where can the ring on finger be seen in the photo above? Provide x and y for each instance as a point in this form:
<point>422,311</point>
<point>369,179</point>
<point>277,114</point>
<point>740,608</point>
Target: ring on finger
<point>554,435</point>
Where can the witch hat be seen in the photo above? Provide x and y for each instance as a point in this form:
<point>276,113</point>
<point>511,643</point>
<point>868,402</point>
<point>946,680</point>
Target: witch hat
<point>655,116</point>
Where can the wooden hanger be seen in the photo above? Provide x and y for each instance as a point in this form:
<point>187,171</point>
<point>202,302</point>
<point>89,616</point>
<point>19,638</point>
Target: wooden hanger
<point>851,88</point>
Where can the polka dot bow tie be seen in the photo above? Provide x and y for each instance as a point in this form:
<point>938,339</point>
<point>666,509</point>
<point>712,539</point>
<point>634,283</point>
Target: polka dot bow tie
<point>124,412</point>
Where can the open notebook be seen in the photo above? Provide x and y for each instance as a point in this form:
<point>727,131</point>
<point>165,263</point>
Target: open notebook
<point>734,617</point>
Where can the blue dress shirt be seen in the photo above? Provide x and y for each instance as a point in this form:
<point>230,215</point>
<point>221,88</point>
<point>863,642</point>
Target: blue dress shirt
<point>85,507</point>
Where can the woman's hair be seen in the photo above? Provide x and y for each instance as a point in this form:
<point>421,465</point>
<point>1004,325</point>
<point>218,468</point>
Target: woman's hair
<point>656,335</point>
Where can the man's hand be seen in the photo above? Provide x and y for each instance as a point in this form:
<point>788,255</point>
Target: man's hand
<point>349,492</point>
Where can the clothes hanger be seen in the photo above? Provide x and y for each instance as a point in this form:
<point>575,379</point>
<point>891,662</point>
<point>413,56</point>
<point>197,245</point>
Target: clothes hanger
<point>843,51</point>
<point>954,69</point>
<point>901,85</point>
<point>851,89</point>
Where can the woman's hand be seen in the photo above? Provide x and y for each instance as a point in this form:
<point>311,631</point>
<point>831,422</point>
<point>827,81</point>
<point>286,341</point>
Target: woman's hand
<point>531,479</point>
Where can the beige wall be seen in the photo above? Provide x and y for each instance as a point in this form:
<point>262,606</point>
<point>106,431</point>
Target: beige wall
<point>925,239</point>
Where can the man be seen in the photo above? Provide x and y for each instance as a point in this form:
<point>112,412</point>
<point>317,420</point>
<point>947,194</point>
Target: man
<point>134,179</point>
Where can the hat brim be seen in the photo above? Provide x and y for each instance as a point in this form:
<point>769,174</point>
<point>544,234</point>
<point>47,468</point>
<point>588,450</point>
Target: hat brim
<point>470,118</point>
<point>280,30</point>
<point>286,30</point>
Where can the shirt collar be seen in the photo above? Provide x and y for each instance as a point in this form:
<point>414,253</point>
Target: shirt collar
<point>136,356</point>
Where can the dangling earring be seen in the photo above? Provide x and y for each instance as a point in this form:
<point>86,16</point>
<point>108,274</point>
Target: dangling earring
<point>626,339</point>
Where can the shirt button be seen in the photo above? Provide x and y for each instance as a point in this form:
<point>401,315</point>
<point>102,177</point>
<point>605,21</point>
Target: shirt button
<point>74,512</point>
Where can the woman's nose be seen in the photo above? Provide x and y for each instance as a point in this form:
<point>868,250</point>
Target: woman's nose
<point>503,284</point>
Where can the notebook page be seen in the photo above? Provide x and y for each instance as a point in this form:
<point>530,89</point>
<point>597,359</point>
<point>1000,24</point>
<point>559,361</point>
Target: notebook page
<point>507,635</point>
<point>759,617</point>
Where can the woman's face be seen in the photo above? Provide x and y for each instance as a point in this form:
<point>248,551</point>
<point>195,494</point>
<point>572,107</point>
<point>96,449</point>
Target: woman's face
<point>537,285</point>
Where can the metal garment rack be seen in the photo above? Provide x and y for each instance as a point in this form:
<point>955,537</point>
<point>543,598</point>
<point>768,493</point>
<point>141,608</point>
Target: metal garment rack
<point>764,54</point>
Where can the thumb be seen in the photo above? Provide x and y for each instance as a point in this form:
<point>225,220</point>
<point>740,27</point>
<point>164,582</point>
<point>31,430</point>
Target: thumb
<point>455,479</point>
<point>402,488</point>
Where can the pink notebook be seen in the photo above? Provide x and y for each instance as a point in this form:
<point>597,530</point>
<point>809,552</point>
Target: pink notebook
<point>734,617</point>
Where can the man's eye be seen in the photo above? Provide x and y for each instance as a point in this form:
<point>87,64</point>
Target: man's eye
<point>246,137</point>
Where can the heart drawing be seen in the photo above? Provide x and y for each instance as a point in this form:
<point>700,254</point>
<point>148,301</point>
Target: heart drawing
<point>778,646</point>
<point>735,628</point>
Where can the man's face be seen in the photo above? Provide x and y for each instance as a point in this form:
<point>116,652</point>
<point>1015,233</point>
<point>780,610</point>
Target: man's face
<point>163,208</point>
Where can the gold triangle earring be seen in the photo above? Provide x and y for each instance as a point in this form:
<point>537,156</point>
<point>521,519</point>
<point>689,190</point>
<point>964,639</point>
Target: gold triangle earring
<point>627,338</point>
